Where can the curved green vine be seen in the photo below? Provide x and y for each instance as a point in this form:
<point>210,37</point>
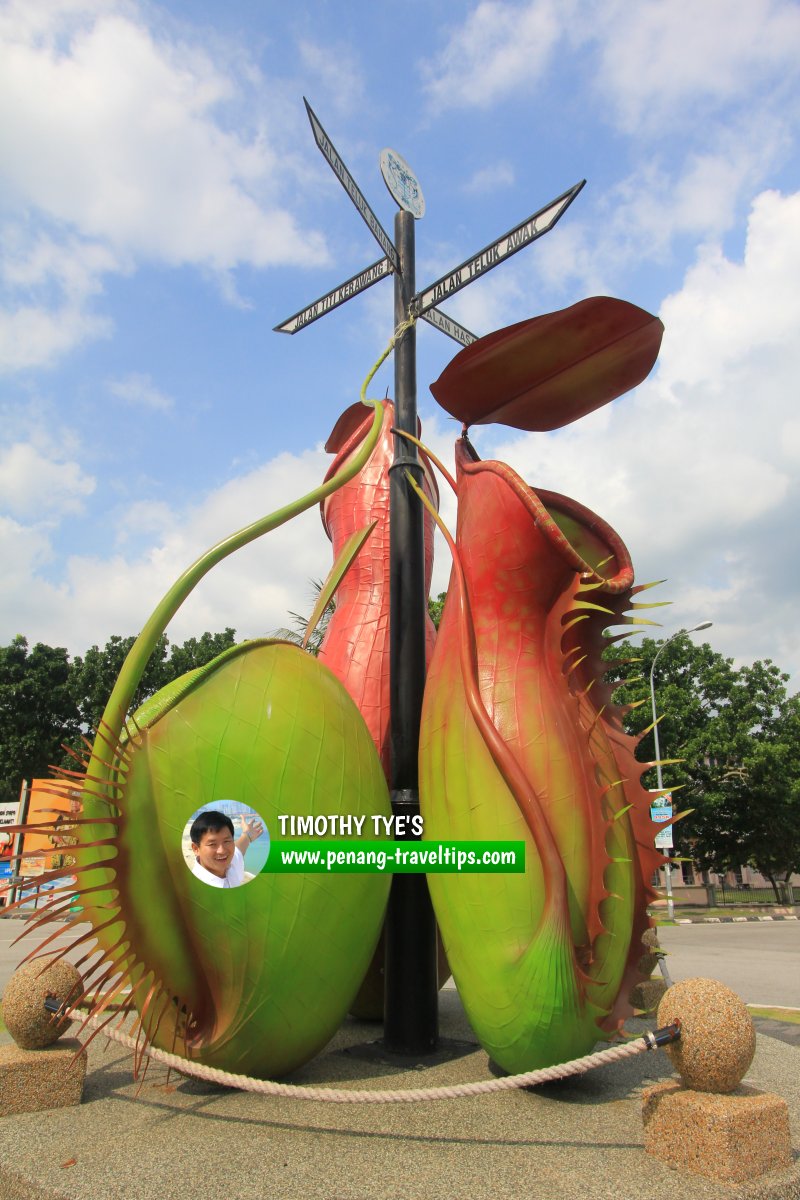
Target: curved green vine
<point>102,764</point>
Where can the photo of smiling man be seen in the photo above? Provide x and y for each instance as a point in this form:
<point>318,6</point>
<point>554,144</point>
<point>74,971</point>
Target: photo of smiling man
<point>217,853</point>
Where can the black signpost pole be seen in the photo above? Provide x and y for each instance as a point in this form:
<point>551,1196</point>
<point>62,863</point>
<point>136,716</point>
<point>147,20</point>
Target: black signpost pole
<point>411,1020</point>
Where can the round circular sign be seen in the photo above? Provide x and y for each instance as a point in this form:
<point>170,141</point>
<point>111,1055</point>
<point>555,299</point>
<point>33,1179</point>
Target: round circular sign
<point>402,183</point>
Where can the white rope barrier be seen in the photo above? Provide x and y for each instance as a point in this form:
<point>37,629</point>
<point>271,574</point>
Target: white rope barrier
<point>267,1087</point>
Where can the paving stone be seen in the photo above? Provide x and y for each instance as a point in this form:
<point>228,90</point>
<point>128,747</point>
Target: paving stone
<point>734,1138</point>
<point>37,1080</point>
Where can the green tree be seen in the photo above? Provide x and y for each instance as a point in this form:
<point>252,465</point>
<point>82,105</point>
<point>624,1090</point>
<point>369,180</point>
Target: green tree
<point>734,732</point>
<point>47,701</point>
<point>93,676</point>
<point>299,627</point>
<point>436,607</point>
<point>196,652</point>
<point>37,712</point>
<point>751,809</point>
<point>693,684</point>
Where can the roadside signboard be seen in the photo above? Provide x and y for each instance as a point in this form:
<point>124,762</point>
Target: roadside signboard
<point>406,190</point>
<point>48,798</point>
<point>9,811</point>
<point>661,811</point>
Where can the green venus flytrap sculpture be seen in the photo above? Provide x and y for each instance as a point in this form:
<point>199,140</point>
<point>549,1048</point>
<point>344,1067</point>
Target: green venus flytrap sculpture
<point>513,735</point>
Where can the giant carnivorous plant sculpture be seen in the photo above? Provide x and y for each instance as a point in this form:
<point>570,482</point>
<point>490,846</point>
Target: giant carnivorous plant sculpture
<point>519,740</point>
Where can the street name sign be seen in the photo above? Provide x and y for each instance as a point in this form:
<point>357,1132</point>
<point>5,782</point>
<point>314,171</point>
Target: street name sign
<point>345,291</point>
<point>407,192</point>
<point>510,243</point>
<point>351,187</point>
<point>435,316</point>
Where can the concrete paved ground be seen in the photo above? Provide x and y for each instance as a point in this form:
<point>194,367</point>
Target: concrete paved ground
<point>576,1140</point>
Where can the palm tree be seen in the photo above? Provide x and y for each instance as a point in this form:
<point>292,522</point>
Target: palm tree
<point>299,629</point>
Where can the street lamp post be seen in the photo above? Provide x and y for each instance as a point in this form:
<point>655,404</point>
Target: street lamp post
<point>668,866</point>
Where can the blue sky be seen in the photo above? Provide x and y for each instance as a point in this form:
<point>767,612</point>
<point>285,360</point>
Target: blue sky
<point>163,205</point>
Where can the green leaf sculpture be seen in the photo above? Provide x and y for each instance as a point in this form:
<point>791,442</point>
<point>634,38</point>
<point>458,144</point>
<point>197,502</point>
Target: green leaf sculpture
<point>252,979</point>
<point>521,740</point>
<point>257,978</point>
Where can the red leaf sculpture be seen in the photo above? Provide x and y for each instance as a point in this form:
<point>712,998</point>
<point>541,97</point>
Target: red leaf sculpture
<point>548,371</point>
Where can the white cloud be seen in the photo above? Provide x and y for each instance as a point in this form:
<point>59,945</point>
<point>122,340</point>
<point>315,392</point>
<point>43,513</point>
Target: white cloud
<point>498,49</point>
<point>116,133</point>
<point>336,73</point>
<point>34,484</point>
<point>661,58</point>
<point>693,469</point>
<point>24,550</point>
<point>36,337</point>
<point>728,313</point>
<point>711,102</point>
<point>491,178</point>
<point>96,596</point>
<point>27,603</point>
<point>114,140</point>
<point>140,391</point>
<point>48,287</point>
<point>790,438</point>
<point>651,63</point>
<point>34,259</point>
<point>152,519</point>
<point>699,195</point>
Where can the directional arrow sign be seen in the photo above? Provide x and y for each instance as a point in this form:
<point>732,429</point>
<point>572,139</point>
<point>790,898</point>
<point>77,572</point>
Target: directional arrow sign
<point>435,316</point>
<point>339,295</point>
<point>351,187</point>
<point>522,235</point>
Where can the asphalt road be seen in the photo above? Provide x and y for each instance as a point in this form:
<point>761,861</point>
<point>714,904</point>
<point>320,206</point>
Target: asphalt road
<point>760,961</point>
<point>12,955</point>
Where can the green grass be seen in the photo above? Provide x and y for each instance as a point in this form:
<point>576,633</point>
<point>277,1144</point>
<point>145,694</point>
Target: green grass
<point>790,1016</point>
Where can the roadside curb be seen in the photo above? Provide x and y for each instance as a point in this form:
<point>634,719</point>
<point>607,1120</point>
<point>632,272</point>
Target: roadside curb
<point>730,920</point>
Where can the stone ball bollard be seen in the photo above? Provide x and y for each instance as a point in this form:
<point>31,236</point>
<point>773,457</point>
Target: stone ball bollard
<point>27,1020</point>
<point>650,958</point>
<point>717,1041</point>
